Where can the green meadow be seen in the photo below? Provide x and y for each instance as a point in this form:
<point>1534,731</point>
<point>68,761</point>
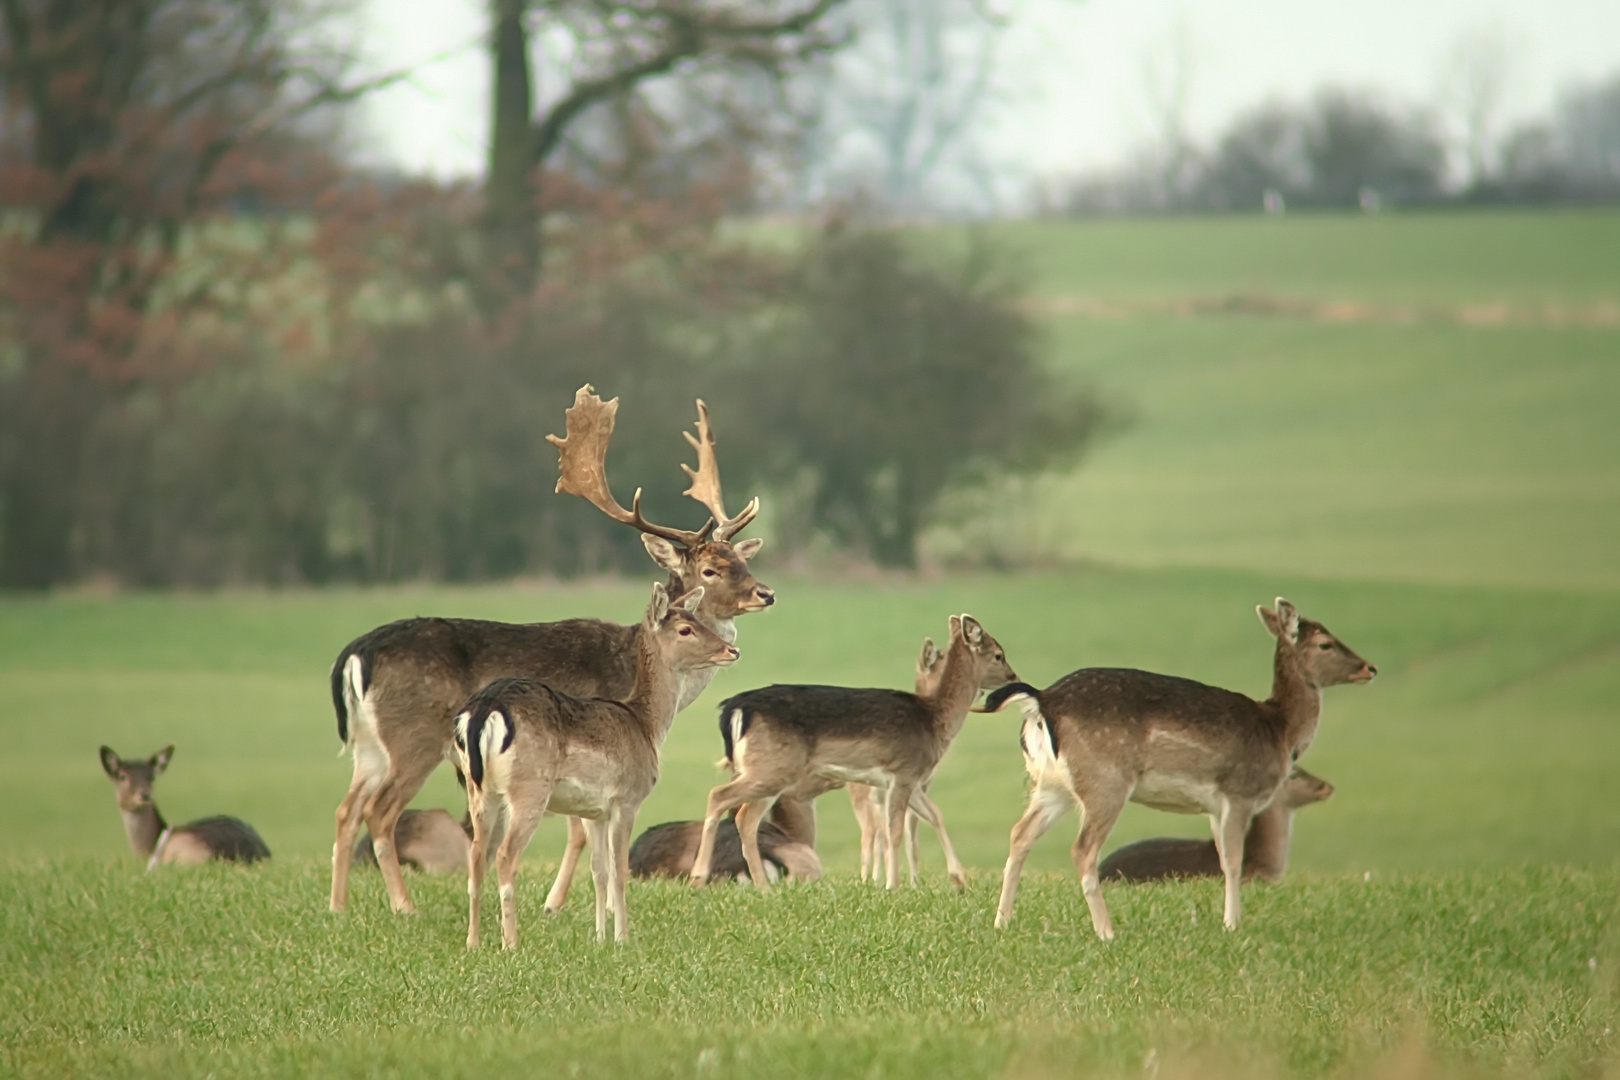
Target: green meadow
<point>1404,423</point>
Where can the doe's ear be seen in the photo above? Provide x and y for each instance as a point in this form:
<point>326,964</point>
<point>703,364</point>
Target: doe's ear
<point>972,631</point>
<point>1283,623</point>
<point>929,657</point>
<point>748,548</point>
<point>109,762</point>
<point>658,607</point>
<point>956,627</point>
<point>663,552</point>
<point>689,601</point>
<point>160,760</point>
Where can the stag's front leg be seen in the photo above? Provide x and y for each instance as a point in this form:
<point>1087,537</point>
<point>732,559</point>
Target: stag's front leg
<point>570,862</point>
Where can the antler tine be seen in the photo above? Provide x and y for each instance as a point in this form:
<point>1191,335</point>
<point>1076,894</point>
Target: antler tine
<point>706,480</point>
<point>582,466</point>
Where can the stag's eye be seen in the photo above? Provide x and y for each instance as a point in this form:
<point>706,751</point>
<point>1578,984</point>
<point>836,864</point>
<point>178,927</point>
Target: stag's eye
<point>686,631</point>
<point>708,573</point>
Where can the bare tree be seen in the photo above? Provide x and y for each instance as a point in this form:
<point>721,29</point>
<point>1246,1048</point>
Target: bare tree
<point>1476,78</point>
<point>611,50</point>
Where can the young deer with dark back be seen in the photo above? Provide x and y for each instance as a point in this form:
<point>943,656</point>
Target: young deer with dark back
<point>867,801</point>
<point>786,738</point>
<point>526,747</point>
<point>1100,737</point>
<point>397,688</point>
<point>226,838</point>
<point>1265,847</point>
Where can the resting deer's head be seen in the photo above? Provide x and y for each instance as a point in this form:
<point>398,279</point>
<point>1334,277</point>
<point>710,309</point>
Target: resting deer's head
<point>132,777</point>
<point>706,558</point>
<point>1323,659</point>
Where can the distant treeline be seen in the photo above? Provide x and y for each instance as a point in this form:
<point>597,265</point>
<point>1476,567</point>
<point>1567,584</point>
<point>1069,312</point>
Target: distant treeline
<point>1343,149</point>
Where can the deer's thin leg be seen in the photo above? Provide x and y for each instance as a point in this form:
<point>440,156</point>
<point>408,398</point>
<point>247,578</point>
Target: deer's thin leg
<point>348,816</point>
<point>482,812</point>
<point>520,826</point>
<point>570,862</point>
<point>619,869</point>
<point>749,815</point>
<point>1100,809</point>
<point>1229,833</point>
<point>405,778</point>
<point>728,797</point>
<point>913,852</point>
<point>1046,805</point>
<point>923,809</point>
<point>860,799</point>
<point>597,832</point>
<point>895,840</point>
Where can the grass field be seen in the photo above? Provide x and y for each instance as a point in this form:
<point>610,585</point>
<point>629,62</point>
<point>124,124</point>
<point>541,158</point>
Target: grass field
<point>1444,494</point>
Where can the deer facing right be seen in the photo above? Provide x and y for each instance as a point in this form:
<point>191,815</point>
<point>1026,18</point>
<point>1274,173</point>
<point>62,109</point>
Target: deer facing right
<point>1100,737</point>
<point>787,738</point>
<point>526,748</point>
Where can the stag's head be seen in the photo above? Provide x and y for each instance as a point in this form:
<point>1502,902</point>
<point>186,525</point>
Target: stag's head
<point>1320,657</point>
<point>705,559</point>
<point>132,777</point>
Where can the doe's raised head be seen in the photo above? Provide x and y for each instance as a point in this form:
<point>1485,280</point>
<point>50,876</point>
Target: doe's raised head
<point>1324,659</point>
<point>133,776</point>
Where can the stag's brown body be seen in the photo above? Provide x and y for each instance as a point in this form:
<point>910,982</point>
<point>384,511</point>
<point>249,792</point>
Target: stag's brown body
<point>1100,737</point>
<point>397,688</point>
<point>1265,847</point>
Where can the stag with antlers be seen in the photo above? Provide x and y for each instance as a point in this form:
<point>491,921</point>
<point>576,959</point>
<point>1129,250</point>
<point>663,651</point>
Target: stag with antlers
<point>396,690</point>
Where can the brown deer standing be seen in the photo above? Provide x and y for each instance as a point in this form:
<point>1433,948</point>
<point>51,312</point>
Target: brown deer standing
<point>397,688</point>
<point>1265,848</point>
<point>225,838</point>
<point>867,801</point>
<point>526,747</point>
<point>783,738</point>
<point>1100,737</point>
<point>787,836</point>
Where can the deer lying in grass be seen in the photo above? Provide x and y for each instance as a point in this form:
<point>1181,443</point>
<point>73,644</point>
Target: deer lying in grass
<point>397,688</point>
<point>867,801</point>
<point>1265,848</point>
<point>225,838</point>
<point>784,738</point>
<point>428,840</point>
<point>1101,736</point>
<point>670,849</point>
<point>525,748</point>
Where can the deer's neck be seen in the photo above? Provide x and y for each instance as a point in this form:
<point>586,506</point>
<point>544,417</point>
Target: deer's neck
<point>143,827</point>
<point>657,693</point>
<point>693,683</point>
<point>1265,850</point>
<point>1297,698</point>
<point>958,686</point>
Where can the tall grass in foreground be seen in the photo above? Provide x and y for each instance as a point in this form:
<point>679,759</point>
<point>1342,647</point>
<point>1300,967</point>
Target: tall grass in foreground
<point>231,972</point>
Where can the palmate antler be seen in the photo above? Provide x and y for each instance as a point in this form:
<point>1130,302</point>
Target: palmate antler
<point>583,467</point>
<point>706,480</point>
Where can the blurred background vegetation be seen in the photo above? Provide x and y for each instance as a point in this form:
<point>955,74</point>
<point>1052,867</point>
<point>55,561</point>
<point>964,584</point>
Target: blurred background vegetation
<point>231,354</point>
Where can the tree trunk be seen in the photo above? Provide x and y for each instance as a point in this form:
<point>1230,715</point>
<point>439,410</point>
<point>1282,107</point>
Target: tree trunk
<point>511,217</point>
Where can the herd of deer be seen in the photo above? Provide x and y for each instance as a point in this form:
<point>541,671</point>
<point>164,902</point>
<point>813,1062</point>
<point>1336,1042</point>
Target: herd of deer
<point>568,718</point>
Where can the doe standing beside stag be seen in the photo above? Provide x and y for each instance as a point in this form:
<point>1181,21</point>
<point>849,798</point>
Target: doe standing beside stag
<point>397,689</point>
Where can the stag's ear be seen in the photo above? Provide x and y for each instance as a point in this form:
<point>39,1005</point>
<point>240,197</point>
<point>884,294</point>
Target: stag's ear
<point>663,552</point>
<point>748,548</point>
<point>109,762</point>
<point>689,602</point>
<point>658,608</point>
<point>972,631</point>
<point>929,657</point>
<point>160,760</point>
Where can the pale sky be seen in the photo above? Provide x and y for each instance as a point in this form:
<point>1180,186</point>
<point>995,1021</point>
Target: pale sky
<point>1073,88</point>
